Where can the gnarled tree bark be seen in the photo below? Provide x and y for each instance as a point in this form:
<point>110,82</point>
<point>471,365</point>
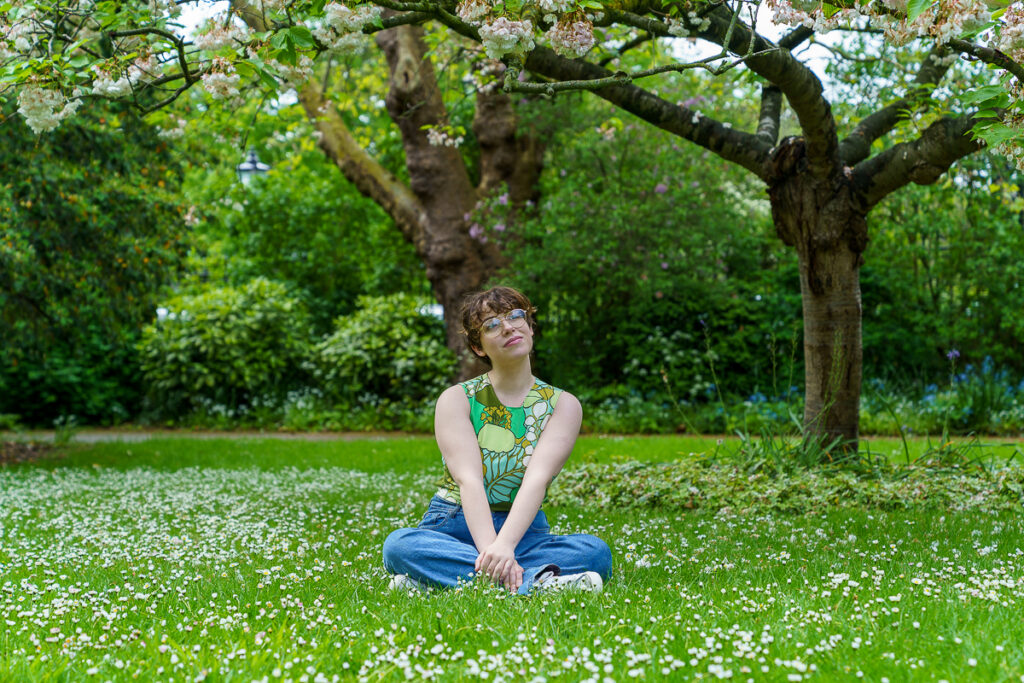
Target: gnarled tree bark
<point>431,210</point>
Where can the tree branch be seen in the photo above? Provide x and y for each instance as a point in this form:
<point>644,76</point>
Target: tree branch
<point>741,148</point>
<point>771,111</point>
<point>921,161</point>
<point>369,177</point>
<point>629,45</point>
<point>798,83</point>
<point>989,56</point>
<point>856,146</point>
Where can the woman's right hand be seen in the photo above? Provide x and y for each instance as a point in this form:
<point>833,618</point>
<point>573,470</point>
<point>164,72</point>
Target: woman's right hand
<point>498,562</point>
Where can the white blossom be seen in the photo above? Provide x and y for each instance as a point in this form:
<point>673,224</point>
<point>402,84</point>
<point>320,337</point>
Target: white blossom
<point>222,81</point>
<point>571,38</point>
<point>297,74</point>
<point>556,6</point>
<point>346,20</point>
<point>1011,32</point>
<point>472,11</point>
<point>214,34</point>
<point>174,133</point>
<point>110,84</point>
<point>503,36</point>
<point>45,108</point>
<point>443,137</point>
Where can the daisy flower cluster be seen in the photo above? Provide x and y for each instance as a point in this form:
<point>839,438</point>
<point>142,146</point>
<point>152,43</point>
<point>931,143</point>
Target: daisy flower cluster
<point>275,574</point>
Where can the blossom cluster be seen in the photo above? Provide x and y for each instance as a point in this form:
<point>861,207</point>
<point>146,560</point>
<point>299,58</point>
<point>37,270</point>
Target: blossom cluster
<point>571,37</point>
<point>110,84</point>
<point>44,108</point>
<point>443,137</point>
<point>503,36</point>
<point>221,80</point>
<point>342,27</point>
<point>218,33</point>
<point>1011,37</point>
<point>472,11</point>
<point>943,21</point>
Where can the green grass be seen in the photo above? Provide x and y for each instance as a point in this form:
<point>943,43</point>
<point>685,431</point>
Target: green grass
<point>239,560</point>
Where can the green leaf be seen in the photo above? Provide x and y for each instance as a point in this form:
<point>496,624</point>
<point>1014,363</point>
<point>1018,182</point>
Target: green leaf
<point>279,40</point>
<point>916,8</point>
<point>301,36</point>
<point>982,94</point>
<point>78,61</point>
<point>245,69</point>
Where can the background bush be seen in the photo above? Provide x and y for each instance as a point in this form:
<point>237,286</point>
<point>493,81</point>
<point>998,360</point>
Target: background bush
<point>390,350</point>
<point>90,231</point>
<point>225,348</point>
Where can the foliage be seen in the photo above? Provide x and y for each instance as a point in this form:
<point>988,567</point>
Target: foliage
<point>647,270</point>
<point>90,229</point>
<point>730,488</point>
<point>942,273</point>
<point>302,224</point>
<point>979,399</point>
<point>390,349</point>
<point>224,348</point>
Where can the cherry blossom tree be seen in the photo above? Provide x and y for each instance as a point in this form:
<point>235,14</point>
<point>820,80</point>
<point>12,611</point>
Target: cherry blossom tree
<point>822,181</point>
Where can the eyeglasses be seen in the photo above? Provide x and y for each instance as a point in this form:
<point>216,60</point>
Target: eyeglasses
<point>516,318</point>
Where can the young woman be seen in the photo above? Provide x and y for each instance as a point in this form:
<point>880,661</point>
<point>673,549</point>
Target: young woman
<point>503,437</point>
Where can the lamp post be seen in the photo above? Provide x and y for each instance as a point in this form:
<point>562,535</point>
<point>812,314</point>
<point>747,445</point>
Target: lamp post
<point>250,168</point>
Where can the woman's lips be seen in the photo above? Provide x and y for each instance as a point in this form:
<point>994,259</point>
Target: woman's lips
<point>513,340</point>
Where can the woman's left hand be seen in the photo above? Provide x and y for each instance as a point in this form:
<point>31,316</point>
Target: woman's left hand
<point>498,562</point>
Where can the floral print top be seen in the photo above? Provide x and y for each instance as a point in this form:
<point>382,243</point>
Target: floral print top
<point>507,436</point>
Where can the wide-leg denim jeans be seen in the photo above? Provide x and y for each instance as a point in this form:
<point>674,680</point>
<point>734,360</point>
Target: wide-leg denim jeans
<point>440,551</point>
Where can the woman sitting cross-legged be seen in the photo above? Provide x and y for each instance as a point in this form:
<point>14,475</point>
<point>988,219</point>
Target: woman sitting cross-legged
<point>503,437</point>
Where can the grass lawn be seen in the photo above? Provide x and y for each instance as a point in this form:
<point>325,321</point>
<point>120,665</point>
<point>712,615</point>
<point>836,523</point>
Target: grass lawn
<point>241,560</point>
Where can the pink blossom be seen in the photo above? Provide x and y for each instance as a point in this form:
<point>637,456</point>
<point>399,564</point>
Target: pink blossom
<point>661,188</point>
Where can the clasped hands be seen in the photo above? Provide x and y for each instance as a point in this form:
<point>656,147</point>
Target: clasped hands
<point>498,562</point>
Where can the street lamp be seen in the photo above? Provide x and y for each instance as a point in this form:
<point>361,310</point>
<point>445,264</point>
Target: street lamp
<point>250,168</point>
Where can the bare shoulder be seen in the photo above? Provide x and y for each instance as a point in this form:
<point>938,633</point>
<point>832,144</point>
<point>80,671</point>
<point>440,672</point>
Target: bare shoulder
<point>452,400</point>
<point>568,407</point>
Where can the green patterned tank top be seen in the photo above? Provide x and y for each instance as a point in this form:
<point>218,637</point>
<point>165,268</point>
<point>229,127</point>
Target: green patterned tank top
<point>507,436</point>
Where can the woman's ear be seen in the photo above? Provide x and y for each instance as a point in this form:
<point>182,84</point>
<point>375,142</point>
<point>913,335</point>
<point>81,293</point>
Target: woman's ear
<point>478,351</point>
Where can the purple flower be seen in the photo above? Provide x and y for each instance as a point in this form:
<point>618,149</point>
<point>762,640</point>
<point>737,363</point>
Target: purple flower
<point>953,354</point>
<point>477,233</point>
<point>503,199</point>
<point>499,227</point>
<point>661,188</point>
<point>664,265</point>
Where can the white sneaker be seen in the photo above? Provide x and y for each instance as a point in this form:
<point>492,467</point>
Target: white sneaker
<point>586,581</point>
<point>402,582</point>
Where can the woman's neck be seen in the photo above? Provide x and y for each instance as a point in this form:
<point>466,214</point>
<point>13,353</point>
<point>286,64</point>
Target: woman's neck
<point>512,382</point>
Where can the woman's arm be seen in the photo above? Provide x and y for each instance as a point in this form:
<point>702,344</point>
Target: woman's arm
<point>461,453</point>
<point>553,449</point>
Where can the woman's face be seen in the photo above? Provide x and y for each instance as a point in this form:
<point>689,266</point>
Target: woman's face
<point>511,339</point>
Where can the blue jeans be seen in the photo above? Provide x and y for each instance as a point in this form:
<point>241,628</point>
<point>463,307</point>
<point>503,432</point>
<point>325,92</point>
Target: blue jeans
<point>440,551</point>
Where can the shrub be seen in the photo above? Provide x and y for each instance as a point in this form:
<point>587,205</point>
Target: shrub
<point>390,349</point>
<point>224,348</point>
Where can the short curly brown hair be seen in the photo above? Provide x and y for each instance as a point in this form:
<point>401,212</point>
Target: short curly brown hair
<point>478,307</point>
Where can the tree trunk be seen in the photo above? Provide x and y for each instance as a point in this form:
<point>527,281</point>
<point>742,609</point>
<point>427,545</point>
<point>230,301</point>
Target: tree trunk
<point>825,222</point>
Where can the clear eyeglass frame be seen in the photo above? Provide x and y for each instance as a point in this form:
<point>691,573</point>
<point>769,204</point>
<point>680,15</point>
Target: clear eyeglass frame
<point>516,318</point>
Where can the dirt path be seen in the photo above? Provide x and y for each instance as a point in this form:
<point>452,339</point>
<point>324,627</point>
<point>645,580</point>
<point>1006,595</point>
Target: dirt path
<point>136,435</point>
